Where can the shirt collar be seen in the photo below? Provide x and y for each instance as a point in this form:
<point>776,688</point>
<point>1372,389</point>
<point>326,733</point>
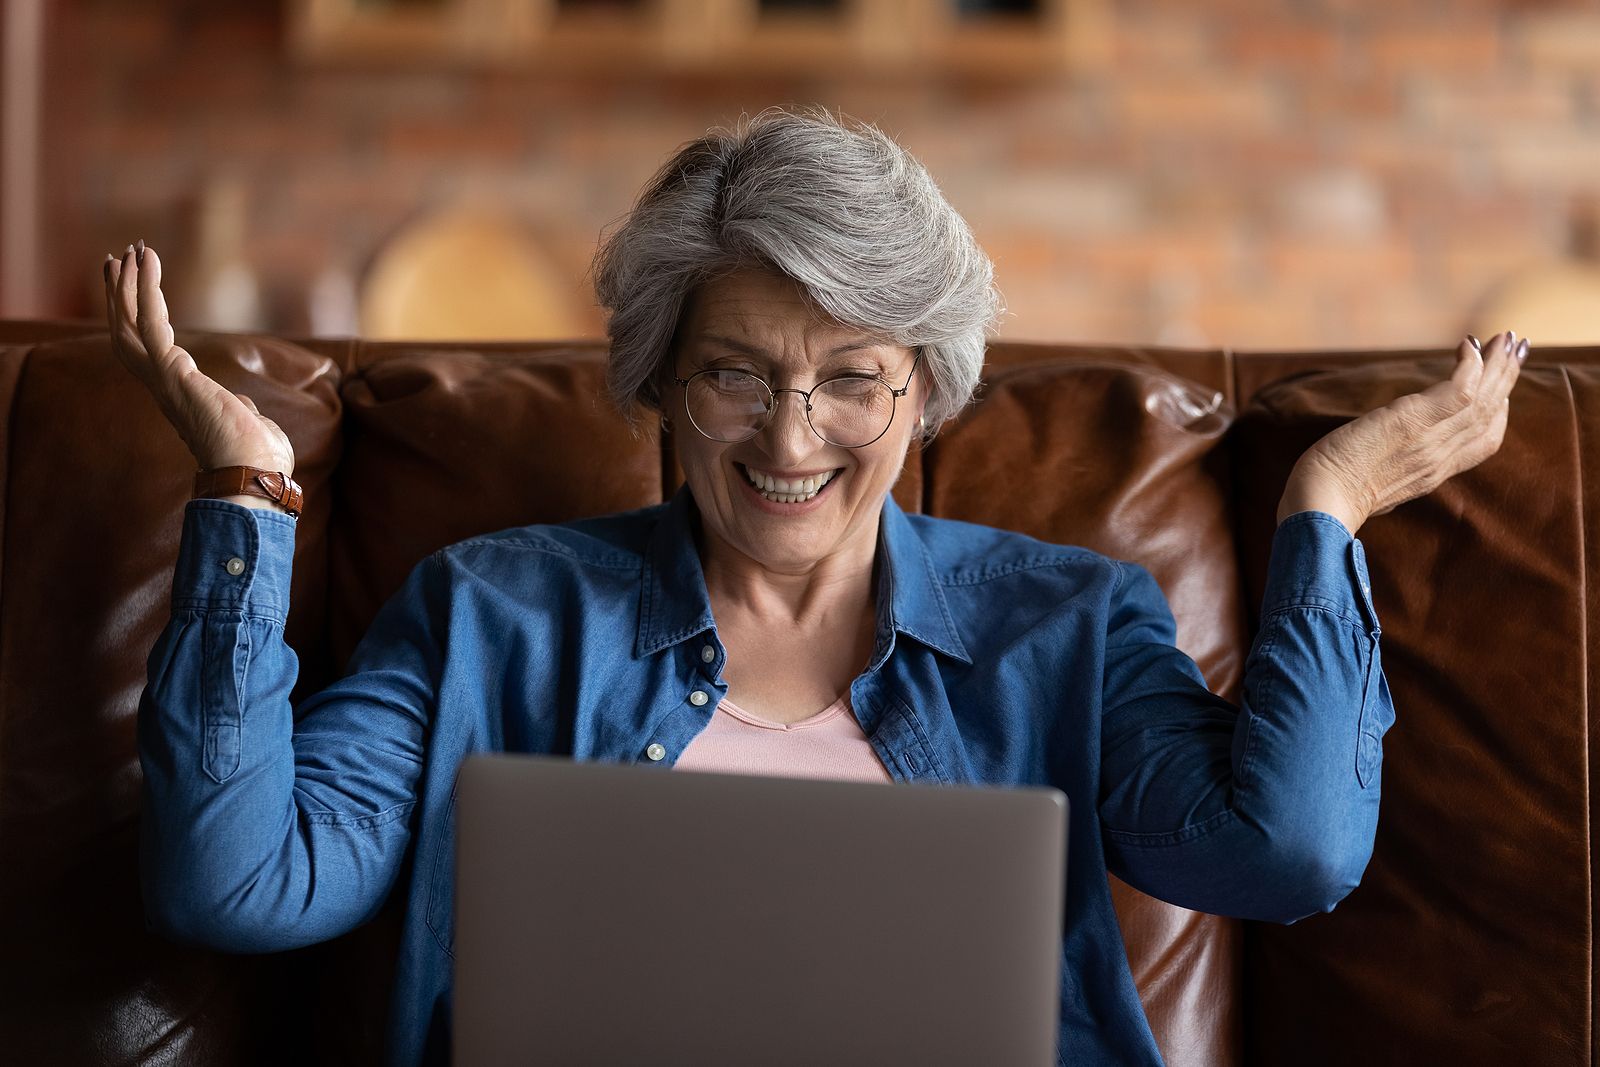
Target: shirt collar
<point>675,606</point>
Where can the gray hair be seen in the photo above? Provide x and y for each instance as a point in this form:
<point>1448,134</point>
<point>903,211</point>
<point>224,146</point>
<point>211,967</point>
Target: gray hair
<point>835,205</point>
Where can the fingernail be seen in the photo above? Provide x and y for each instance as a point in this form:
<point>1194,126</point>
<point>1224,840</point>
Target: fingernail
<point>1522,350</point>
<point>1476,343</point>
<point>139,258</point>
<point>1511,337</point>
<point>130,250</point>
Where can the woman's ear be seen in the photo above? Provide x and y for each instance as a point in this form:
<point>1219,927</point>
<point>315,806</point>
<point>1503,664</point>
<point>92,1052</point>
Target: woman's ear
<point>922,406</point>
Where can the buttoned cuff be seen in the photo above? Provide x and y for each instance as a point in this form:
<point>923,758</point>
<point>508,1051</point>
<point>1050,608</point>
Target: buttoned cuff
<point>234,557</point>
<point>1317,562</point>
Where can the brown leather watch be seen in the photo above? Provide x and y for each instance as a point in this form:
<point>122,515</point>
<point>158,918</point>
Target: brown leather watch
<point>234,481</point>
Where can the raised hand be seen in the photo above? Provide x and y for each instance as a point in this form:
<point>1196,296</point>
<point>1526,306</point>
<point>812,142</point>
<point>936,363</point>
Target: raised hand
<point>1411,445</point>
<point>221,428</point>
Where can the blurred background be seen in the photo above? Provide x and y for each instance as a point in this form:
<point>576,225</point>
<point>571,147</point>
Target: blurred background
<point>1253,173</point>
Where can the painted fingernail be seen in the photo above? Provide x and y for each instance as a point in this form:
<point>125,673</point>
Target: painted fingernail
<point>129,252</point>
<point>1511,337</point>
<point>1522,350</point>
<point>1476,343</point>
<point>139,258</point>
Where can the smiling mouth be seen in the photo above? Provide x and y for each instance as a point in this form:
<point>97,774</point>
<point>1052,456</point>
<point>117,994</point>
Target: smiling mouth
<point>786,491</point>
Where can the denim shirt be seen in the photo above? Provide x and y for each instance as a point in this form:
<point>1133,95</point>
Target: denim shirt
<point>998,659</point>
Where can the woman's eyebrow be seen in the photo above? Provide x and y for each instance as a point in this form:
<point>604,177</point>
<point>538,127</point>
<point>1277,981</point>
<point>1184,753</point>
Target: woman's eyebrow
<point>730,343</point>
<point>751,350</point>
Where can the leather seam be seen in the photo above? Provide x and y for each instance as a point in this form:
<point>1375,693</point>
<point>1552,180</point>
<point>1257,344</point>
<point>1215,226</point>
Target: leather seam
<point>1583,676</point>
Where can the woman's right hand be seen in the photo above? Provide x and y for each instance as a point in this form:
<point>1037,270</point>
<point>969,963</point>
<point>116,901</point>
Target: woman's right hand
<point>221,428</point>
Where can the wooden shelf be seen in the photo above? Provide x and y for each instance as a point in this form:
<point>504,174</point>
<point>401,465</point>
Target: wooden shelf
<point>871,37</point>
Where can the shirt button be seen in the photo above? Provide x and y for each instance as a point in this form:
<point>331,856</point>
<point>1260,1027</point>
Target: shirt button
<point>698,698</point>
<point>236,565</point>
<point>707,654</point>
<point>655,752</point>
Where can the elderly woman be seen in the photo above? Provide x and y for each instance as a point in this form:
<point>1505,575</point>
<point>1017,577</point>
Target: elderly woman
<point>799,301</point>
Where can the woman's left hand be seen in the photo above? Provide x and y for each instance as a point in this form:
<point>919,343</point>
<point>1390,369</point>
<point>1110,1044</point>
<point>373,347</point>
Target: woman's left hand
<point>1411,445</point>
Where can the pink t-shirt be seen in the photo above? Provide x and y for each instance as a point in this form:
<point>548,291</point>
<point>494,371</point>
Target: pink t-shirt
<point>830,744</point>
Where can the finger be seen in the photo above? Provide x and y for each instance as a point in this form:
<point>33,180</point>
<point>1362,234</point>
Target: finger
<point>1455,393</point>
<point>1473,434</point>
<point>127,294</point>
<point>251,404</point>
<point>155,328</point>
<point>1515,361</point>
<point>1513,370</point>
<point>108,271</point>
<point>1501,366</point>
<point>113,294</point>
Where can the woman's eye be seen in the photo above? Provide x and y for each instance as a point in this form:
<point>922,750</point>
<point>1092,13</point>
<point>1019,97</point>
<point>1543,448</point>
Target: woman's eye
<point>853,387</point>
<point>732,379</point>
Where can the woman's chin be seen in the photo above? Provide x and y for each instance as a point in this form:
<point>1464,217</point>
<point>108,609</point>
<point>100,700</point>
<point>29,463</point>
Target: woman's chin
<point>784,543</point>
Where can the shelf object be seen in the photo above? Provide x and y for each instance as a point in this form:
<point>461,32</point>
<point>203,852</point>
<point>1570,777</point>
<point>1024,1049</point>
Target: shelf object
<point>734,37</point>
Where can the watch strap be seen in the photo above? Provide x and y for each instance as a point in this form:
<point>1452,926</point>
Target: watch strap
<point>253,481</point>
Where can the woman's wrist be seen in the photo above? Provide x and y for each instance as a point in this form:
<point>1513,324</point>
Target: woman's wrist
<point>250,501</point>
<point>252,487</point>
<point>1304,493</point>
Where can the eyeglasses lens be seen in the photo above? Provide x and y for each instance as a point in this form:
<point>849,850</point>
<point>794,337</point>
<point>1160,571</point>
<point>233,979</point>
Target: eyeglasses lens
<point>851,412</point>
<point>728,405</point>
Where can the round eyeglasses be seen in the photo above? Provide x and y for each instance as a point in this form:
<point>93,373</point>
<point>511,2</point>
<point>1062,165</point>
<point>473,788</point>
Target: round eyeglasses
<point>850,411</point>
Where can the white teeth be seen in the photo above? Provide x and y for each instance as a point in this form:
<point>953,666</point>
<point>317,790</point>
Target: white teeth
<point>785,491</point>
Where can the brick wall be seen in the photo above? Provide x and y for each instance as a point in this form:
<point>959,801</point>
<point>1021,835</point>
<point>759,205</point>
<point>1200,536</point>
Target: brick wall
<point>1249,173</point>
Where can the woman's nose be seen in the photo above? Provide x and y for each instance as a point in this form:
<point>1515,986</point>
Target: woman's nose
<point>789,435</point>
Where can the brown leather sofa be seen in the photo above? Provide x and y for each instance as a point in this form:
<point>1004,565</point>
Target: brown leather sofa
<point>1470,939</point>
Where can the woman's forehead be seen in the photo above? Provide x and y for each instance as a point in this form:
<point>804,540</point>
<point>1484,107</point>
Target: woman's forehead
<point>860,346</point>
<point>767,317</point>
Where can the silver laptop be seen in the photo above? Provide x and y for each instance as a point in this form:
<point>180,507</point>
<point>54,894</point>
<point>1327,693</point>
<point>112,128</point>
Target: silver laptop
<point>616,914</point>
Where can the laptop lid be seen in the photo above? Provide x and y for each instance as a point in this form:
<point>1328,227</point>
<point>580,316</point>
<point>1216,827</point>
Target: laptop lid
<point>617,914</point>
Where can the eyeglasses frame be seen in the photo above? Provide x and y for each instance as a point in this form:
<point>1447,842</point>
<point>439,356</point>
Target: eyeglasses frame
<point>772,403</point>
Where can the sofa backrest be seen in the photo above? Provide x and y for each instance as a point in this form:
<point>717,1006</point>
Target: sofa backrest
<point>1474,912</point>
